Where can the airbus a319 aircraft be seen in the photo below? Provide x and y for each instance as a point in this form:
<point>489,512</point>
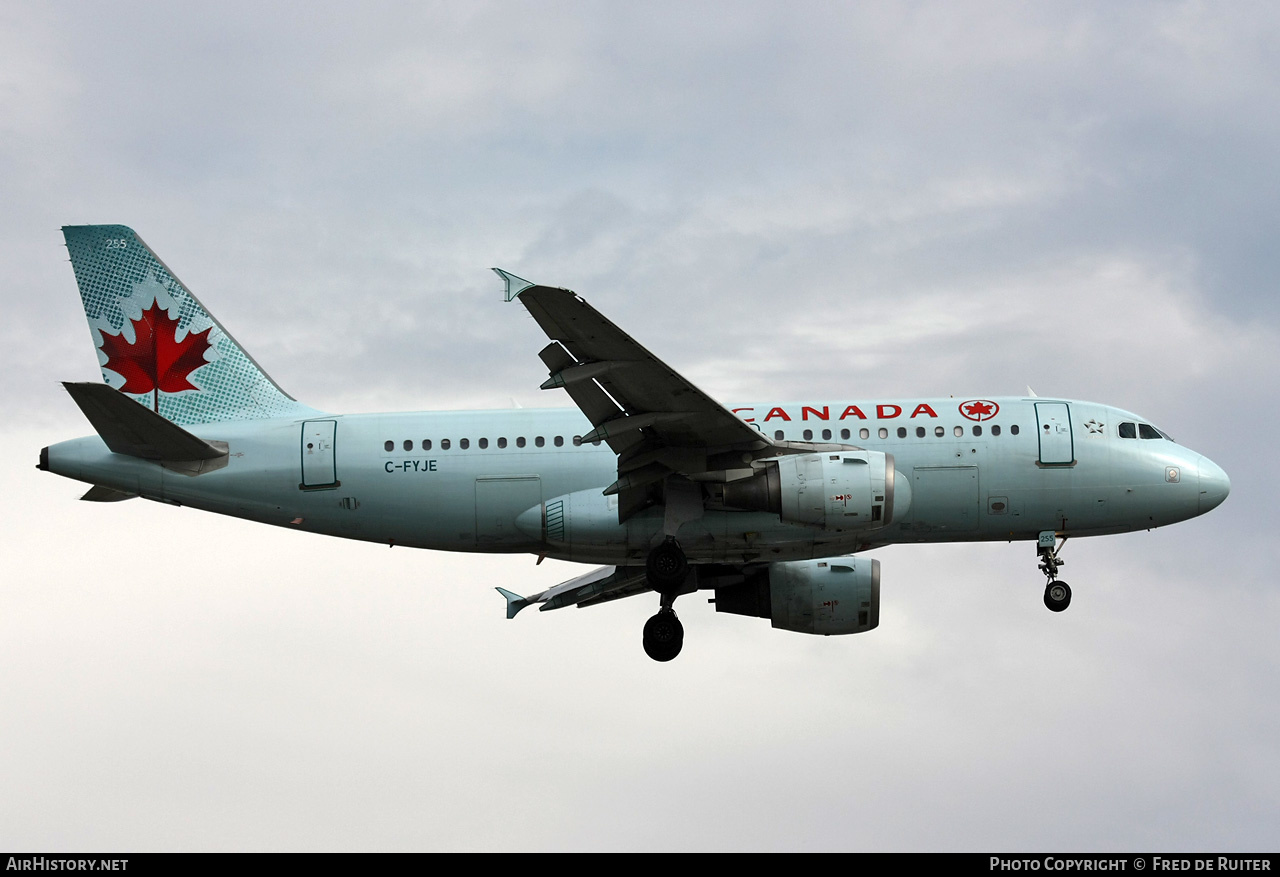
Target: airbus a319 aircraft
<point>769,505</point>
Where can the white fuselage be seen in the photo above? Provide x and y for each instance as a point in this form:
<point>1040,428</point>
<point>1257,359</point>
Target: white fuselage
<point>467,480</point>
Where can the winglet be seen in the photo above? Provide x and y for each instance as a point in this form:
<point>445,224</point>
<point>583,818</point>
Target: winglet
<point>515,285</point>
<point>514,601</point>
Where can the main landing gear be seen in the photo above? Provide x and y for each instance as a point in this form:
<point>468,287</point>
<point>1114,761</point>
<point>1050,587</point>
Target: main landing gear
<point>666,569</point>
<point>663,634</point>
<point>1057,595</point>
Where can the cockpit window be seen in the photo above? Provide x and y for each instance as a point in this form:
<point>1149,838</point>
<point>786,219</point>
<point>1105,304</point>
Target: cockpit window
<point>1148,432</point>
<point>1128,430</point>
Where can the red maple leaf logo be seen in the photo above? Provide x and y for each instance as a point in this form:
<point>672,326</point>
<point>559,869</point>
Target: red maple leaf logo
<point>979,409</point>
<point>156,360</point>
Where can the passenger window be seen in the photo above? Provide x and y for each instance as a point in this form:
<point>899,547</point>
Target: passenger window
<point>844,434</point>
<point>390,445</point>
<point>884,432</point>
<point>1128,430</point>
<point>920,432</point>
<point>1013,430</point>
<point>864,433</point>
<point>444,444</point>
<point>959,431</point>
<point>408,444</point>
<point>939,431</point>
<point>977,430</point>
<point>484,443</point>
<point>596,442</point>
<point>902,432</point>
<point>426,444</point>
<point>520,441</point>
<point>559,442</point>
<point>1148,432</point>
<point>777,435</point>
<point>826,435</point>
<point>539,441</point>
<point>577,441</point>
<point>995,430</point>
<point>502,443</point>
<point>464,443</point>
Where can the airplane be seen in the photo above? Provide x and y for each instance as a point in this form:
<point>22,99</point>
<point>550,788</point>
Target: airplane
<point>771,506</point>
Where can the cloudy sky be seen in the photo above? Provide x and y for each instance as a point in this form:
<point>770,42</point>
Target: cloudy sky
<point>801,200</point>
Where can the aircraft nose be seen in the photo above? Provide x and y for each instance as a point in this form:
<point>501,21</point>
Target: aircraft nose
<point>1214,485</point>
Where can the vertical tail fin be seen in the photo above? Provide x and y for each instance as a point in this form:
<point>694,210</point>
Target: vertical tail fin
<point>155,340</point>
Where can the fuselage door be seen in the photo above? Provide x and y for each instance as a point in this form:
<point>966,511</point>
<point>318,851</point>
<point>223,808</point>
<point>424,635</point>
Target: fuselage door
<point>1056,444</point>
<point>319,469</point>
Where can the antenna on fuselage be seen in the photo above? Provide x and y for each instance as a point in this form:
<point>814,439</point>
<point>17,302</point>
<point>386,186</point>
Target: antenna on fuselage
<point>1030,392</point>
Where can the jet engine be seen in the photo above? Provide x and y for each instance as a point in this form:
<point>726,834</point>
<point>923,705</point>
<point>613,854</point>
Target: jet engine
<point>836,595</point>
<point>843,490</point>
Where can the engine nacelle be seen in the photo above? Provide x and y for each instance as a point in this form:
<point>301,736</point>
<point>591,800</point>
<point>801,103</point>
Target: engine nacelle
<point>836,595</point>
<point>839,490</point>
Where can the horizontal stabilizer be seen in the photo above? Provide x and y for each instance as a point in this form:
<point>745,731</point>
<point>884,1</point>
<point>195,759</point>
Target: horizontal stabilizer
<point>130,429</point>
<point>98,493</point>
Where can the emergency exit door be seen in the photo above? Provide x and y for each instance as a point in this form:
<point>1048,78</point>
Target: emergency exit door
<point>319,469</point>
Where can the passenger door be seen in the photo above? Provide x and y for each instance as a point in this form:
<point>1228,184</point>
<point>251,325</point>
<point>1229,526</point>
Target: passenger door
<point>1057,446</point>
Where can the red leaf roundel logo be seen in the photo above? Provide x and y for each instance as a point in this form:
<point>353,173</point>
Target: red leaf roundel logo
<point>979,409</point>
<point>156,360</point>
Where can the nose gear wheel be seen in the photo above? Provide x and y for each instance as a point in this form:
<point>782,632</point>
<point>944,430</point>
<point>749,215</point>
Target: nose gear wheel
<point>1057,596</point>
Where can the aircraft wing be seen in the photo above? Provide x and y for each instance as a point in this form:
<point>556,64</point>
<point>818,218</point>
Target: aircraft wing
<point>649,393</point>
<point>657,422</point>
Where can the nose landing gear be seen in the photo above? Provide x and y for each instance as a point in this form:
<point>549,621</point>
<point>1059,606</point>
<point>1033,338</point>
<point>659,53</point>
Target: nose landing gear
<point>1057,595</point>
